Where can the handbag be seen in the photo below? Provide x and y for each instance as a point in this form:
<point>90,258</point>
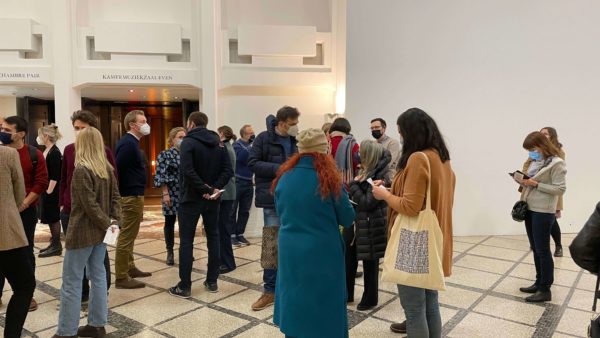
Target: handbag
<point>519,211</point>
<point>594,328</point>
<point>414,253</point>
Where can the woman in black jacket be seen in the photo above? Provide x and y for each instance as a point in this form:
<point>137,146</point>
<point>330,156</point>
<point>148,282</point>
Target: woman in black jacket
<point>371,222</point>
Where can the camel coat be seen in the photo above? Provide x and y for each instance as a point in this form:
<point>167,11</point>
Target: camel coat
<point>12,194</point>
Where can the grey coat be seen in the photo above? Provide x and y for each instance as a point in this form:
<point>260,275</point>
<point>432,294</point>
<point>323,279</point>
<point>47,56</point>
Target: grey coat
<point>551,185</point>
<point>230,193</point>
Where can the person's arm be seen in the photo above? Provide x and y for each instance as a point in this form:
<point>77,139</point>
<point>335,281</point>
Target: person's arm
<point>394,149</point>
<point>82,191</point>
<point>18,182</point>
<point>126,154</point>
<point>53,162</point>
<point>189,172</point>
<point>344,211</point>
<point>40,182</point>
<point>255,161</point>
<point>115,205</point>
<point>559,185</point>
<point>415,188</point>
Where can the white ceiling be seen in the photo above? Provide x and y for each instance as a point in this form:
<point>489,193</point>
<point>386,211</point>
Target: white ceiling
<point>111,93</point>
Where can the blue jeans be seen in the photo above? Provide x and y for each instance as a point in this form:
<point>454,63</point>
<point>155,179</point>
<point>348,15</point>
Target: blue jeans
<point>92,258</point>
<point>241,208</point>
<point>539,226</point>
<point>422,312</point>
<point>270,275</point>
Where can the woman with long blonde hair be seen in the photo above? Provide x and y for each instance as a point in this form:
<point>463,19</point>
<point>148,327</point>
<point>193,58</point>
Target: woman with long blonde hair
<point>95,210</point>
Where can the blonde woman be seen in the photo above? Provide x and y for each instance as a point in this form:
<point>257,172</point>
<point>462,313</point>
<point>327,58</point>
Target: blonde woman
<point>167,178</point>
<point>95,209</point>
<point>49,207</point>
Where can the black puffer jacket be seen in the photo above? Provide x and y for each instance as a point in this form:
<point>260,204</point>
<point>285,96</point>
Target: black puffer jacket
<point>585,248</point>
<point>266,155</point>
<point>371,215</point>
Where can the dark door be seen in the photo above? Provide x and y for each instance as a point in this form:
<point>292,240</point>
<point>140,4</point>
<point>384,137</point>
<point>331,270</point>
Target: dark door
<point>37,112</point>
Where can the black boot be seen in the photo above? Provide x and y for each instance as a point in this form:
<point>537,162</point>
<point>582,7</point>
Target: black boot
<point>540,296</point>
<point>170,258</point>
<point>529,289</point>
<point>558,252</point>
<point>55,248</point>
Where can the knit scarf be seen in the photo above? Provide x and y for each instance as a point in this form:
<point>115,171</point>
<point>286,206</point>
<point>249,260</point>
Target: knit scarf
<point>343,159</point>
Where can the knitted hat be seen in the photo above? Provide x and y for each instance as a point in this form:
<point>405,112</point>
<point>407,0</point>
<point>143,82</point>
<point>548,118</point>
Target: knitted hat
<point>312,140</point>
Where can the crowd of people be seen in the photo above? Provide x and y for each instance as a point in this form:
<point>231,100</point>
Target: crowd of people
<point>351,193</point>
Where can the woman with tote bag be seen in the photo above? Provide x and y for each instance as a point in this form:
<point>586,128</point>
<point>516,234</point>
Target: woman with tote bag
<point>422,189</point>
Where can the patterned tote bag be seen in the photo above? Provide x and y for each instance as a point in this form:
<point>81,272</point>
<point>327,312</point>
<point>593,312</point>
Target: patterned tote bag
<point>415,249</point>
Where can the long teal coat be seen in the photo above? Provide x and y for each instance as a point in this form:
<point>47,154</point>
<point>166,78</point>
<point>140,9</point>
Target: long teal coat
<point>310,296</point>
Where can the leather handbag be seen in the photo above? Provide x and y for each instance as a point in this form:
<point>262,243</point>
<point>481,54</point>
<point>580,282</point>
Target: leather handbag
<point>594,328</point>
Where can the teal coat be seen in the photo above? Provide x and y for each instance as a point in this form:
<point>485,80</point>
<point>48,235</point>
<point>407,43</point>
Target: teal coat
<point>310,299</point>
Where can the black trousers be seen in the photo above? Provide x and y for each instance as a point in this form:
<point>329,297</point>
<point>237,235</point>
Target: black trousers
<point>15,265</point>
<point>29,219</point>
<point>85,283</point>
<point>225,229</point>
<point>188,222</point>
<point>169,231</point>
<point>370,294</point>
<point>556,235</point>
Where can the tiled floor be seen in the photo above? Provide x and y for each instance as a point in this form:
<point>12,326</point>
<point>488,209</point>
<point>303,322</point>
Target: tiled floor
<point>482,299</point>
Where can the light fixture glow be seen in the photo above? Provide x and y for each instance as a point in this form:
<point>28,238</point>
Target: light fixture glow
<point>131,90</point>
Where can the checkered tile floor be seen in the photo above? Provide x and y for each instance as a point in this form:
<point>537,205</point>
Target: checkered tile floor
<point>482,299</point>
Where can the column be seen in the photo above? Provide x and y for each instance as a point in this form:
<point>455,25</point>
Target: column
<point>66,98</point>
<point>339,57</point>
<point>210,33</point>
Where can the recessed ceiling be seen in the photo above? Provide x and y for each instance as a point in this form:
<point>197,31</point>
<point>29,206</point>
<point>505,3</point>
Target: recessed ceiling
<point>40,92</point>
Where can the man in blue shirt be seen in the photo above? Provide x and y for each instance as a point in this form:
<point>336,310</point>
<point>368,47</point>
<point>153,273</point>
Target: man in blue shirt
<point>244,186</point>
<point>271,149</point>
<point>131,166</point>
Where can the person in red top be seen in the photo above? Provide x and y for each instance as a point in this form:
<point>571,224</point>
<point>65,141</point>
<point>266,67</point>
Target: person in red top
<point>348,160</point>
<point>36,181</point>
<point>81,119</point>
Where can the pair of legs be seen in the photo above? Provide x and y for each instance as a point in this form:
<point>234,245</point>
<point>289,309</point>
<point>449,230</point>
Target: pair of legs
<point>555,233</point>
<point>188,222</point>
<point>91,258</point>
<point>422,312</point>
<point>55,246</point>
<point>85,283</point>
<point>371,272</point>
<point>269,250</point>
<point>241,207</point>
<point>225,231</point>
<point>133,211</point>
<point>29,219</point>
<point>15,265</point>
<point>169,231</point>
<point>538,226</point>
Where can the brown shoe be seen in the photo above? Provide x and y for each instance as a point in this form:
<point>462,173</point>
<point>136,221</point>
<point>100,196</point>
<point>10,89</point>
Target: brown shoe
<point>129,283</point>
<point>33,305</point>
<point>266,300</point>
<point>91,331</point>
<point>137,273</point>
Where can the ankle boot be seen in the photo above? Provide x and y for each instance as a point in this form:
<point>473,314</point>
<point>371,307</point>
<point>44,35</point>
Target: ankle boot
<point>539,297</point>
<point>54,250</point>
<point>170,242</point>
<point>170,258</point>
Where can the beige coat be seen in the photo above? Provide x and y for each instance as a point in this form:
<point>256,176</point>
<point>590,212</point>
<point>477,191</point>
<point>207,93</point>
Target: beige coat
<point>559,205</point>
<point>12,194</point>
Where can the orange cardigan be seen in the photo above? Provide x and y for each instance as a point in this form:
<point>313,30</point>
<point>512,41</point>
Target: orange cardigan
<point>410,187</point>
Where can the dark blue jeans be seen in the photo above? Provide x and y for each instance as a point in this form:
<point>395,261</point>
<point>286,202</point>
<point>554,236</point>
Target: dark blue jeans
<point>538,226</point>
<point>225,226</point>
<point>188,221</point>
<point>242,205</point>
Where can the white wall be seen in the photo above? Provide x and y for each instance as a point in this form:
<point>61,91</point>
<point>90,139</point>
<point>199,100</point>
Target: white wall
<point>8,106</point>
<point>489,72</point>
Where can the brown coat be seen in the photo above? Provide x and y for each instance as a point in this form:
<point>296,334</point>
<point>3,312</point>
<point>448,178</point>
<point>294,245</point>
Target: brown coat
<point>12,193</point>
<point>410,187</point>
<point>94,202</point>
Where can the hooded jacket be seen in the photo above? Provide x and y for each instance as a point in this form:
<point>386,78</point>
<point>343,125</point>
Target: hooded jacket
<point>371,214</point>
<point>266,155</point>
<point>205,166</point>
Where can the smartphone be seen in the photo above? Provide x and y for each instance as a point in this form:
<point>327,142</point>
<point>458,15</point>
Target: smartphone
<point>215,194</point>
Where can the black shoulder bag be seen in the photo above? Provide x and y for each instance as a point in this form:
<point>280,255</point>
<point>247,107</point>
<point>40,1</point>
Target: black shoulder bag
<point>519,210</point>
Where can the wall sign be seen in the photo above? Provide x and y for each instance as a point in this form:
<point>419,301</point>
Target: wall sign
<point>19,76</point>
<point>137,77</point>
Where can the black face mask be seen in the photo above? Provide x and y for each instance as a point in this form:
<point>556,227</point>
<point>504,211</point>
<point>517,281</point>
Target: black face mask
<point>5,138</point>
<point>251,139</point>
<point>376,134</point>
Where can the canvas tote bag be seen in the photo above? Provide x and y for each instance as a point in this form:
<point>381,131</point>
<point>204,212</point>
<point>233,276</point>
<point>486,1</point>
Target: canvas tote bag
<point>415,249</point>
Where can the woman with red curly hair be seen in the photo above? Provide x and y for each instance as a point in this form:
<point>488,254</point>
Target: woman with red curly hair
<point>310,298</point>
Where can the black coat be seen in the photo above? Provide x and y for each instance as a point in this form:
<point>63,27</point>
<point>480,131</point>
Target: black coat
<point>371,215</point>
<point>585,248</point>
<point>266,155</point>
<point>204,166</point>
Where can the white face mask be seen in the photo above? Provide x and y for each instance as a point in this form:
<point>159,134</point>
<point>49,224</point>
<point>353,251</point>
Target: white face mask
<point>145,129</point>
<point>293,131</point>
<point>178,143</point>
<point>39,140</point>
